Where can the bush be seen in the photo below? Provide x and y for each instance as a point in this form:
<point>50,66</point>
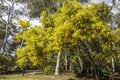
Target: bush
<point>48,70</point>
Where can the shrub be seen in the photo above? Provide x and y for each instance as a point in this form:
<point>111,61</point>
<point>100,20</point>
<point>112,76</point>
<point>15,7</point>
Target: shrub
<point>48,70</point>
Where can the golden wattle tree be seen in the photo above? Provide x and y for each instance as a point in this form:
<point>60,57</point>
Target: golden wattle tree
<point>75,27</point>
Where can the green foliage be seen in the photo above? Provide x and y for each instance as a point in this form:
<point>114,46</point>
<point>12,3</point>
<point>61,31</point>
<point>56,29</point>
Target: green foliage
<point>37,6</point>
<point>6,63</point>
<point>48,70</point>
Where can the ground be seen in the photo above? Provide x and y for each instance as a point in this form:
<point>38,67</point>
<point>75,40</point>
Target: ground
<point>36,75</point>
<point>32,76</point>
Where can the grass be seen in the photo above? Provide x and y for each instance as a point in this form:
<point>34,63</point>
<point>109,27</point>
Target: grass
<point>67,76</point>
<point>18,78</point>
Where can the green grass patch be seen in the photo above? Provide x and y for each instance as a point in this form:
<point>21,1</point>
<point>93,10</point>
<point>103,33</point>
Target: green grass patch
<point>67,76</point>
<point>12,77</point>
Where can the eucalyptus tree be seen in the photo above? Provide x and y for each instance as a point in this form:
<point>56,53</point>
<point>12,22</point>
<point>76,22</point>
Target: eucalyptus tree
<point>9,13</point>
<point>8,27</point>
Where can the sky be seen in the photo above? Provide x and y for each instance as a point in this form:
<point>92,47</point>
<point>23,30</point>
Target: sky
<point>109,2</point>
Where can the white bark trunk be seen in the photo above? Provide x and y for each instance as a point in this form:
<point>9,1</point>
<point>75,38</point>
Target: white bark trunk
<point>113,64</point>
<point>66,61</point>
<point>57,64</point>
<point>80,62</point>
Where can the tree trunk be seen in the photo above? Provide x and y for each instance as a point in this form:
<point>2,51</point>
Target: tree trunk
<point>80,63</point>
<point>91,70</point>
<point>66,61</point>
<point>88,51</point>
<point>7,23</point>
<point>57,64</point>
<point>23,72</point>
<point>113,64</point>
<point>70,68</point>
